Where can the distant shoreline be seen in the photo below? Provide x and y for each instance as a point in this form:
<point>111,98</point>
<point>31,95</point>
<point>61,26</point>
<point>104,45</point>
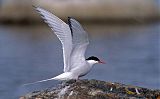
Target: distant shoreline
<point>30,21</point>
<point>104,11</point>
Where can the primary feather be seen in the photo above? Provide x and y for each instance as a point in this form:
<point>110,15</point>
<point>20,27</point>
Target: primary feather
<point>63,32</point>
<point>80,42</point>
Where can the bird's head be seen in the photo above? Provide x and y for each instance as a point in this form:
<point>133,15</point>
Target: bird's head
<point>93,60</point>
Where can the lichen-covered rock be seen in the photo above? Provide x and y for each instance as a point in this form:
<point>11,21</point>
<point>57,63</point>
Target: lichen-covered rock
<point>94,89</point>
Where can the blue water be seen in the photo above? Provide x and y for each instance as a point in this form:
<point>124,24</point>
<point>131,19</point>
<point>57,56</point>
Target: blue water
<point>29,54</point>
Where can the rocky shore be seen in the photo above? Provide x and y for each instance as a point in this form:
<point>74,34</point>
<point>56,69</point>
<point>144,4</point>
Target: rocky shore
<point>93,89</point>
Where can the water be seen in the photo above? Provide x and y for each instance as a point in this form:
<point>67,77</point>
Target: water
<point>29,54</point>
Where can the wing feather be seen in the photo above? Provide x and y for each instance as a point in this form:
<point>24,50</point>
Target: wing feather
<point>63,32</point>
<point>80,42</point>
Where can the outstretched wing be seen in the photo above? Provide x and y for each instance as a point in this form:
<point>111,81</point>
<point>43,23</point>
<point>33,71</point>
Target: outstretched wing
<point>63,32</point>
<point>80,42</point>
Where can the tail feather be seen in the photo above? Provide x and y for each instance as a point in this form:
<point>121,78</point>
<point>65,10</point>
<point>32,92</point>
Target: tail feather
<point>38,81</point>
<point>63,76</point>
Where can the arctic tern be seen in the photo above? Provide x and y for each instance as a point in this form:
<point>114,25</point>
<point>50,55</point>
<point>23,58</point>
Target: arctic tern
<point>74,41</point>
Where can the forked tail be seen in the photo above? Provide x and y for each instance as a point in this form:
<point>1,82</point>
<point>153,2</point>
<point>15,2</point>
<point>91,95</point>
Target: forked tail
<point>63,76</point>
<point>38,81</point>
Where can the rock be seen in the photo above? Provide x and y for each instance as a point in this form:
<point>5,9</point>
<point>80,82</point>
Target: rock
<point>94,89</point>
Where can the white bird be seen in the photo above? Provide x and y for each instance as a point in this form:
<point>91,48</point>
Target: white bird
<point>74,41</point>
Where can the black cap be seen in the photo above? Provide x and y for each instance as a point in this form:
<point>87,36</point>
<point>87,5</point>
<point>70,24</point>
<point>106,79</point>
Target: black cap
<point>93,58</point>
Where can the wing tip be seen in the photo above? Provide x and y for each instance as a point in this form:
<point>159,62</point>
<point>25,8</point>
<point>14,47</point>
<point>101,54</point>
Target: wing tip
<point>70,17</point>
<point>70,26</point>
<point>38,9</point>
<point>35,6</point>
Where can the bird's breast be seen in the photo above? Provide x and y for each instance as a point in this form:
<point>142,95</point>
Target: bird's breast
<point>81,70</point>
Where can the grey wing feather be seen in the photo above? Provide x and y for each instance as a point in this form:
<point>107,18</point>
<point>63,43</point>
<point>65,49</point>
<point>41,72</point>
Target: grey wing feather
<point>63,32</point>
<point>80,42</point>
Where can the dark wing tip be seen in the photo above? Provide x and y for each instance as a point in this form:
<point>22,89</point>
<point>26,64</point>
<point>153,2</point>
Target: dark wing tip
<point>70,25</point>
<point>34,6</point>
<point>70,17</point>
<point>37,9</point>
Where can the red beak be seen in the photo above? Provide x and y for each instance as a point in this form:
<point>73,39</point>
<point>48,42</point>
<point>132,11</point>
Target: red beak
<point>102,62</point>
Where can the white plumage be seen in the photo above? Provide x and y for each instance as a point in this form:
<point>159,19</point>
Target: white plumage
<point>74,41</point>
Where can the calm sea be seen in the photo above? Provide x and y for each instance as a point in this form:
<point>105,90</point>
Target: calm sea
<point>33,53</point>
